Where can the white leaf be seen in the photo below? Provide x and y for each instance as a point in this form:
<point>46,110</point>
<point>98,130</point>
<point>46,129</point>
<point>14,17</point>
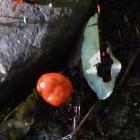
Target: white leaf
<point>91,56</point>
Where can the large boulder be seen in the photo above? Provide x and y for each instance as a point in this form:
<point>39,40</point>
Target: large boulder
<point>34,38</point>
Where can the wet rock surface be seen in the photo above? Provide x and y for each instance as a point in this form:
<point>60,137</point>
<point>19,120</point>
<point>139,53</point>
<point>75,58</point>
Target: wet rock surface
<point>32,35</point>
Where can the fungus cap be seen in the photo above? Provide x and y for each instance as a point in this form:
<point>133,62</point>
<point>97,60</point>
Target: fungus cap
<point>54,88</point>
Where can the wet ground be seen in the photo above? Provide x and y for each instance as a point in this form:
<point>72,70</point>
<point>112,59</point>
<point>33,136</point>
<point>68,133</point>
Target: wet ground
<point>117,118</point>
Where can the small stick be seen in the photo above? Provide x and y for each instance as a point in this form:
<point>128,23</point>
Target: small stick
<point>134,85</point>
<point>128,67</point>
<point>85,118</point>
<point>69,136</point>
<point>131,60</point>
<point>10,113</point>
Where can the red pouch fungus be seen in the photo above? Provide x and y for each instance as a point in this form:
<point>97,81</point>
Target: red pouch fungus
<point>54,88</point>
<point>17,1</point>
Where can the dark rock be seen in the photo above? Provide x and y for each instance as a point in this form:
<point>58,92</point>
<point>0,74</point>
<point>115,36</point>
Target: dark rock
<point>36,36</point>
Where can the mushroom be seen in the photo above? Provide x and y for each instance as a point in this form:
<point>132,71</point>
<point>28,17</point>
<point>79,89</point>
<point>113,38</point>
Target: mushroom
<point>21,1</point>
<point>17,1</point>
<point>54,88</point>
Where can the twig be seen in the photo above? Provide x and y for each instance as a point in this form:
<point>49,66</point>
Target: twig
<point>9,114</point>
<point>85,118</point>
<point>134,85</point>
<point>131,60</point>
<point>128,67</point>
<point>68,137</point>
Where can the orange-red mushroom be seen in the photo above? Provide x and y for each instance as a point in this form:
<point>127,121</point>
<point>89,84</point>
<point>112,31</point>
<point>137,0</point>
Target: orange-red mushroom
<point>54,88</point>
<point>21,1</point>
<point>17,1</point>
